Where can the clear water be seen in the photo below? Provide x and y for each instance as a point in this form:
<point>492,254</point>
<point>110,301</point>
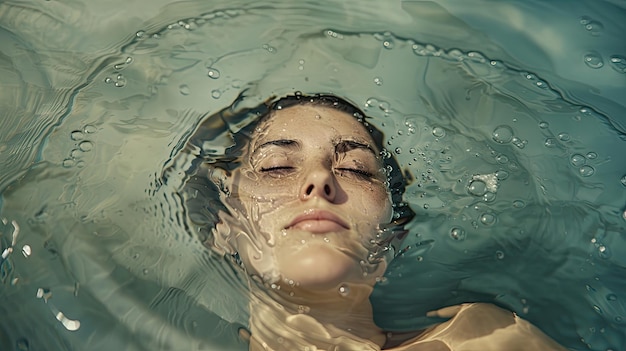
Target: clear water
<point>509,116</point>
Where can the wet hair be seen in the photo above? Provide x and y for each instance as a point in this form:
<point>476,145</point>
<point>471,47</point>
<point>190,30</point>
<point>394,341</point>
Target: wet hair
<point>202,199</point>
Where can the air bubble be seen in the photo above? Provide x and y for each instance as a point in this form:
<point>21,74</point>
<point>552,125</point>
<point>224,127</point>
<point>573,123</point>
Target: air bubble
<point>213,73</point>
<point>604,252</point>
<point>593,60</point>
<point>502,134</point>
<point>564,137</point>
<point>550,142</point>
<point>502,175</point>
<point>89,129</point>
<point>499,254</point>
<point>502,159</point>
<point>184,89</point>
<point>591,155</point>
<point>594,27</point>
<point>457,233</point>
<point>618,63</point>
<point>378,81</point>
<point>26,250</point>
<point>488,218</point>
<point>477,188</point>
<point>77,135</point>
<point>140,34</point>
<point>519,204</point>
<point>216,94</point>
<point>578,160</point>
<point>68,162</point>
<point>611,297</point>
<point>439,132</point>
<point>85,146</point>
<point>398,151</point>
<point>344,290</point>
<point>623,180</point>
<point>586,171</point>
<point>544,125</point>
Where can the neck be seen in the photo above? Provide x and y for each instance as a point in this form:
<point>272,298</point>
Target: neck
<point>294,319</point>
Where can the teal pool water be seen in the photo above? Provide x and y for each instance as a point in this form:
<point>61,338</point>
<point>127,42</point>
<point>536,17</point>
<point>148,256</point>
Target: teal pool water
<point>509,117</point>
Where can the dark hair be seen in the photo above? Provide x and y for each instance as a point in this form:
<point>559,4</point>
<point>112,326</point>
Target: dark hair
<point>201,197</point>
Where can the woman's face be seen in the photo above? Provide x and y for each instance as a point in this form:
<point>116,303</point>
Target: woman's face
<point>311,187</point>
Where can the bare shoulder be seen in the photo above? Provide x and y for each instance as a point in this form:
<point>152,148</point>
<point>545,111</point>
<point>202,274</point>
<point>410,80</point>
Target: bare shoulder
<point>480,326</point>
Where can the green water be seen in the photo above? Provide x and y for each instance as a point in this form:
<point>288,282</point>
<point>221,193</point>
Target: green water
<point>98,99</point>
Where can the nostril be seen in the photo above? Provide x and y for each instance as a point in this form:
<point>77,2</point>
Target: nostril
<point>326,189</point>
<point>309,189</point>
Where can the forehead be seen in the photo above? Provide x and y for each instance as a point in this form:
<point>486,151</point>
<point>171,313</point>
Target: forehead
<point>302,120</point>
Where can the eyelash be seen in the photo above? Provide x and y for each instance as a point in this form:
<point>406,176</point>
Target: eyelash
<point>358,172</point>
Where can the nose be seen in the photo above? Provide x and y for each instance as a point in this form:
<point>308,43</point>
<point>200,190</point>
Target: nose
<point>319,183</point>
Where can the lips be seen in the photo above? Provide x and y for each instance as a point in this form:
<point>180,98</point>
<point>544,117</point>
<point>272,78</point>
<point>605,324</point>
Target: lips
<point>318,222</point>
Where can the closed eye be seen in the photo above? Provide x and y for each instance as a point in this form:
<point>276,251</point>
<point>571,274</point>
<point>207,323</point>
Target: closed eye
<point>277,170</point>
<point>359,172</point>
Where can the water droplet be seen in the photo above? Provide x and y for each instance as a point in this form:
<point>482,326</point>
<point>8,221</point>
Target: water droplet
<point>213,73</point>
<point>502,159</point>
<point>623,180</point>
<point>550,142</point>
<point>519,204</point>
<point>591,155</point>
<point>378,81</point>
<point>412,150</point>
<point>269,48</point>
<point>586,171</point>
<point>439,132</point>
<point>578,160</point>
<point>68,163</point>
<point>302,309</point>
<point>592,26</point>
<point>140,34</point>
<point>502,134</point>
<point>593,60</point>
<point>489,197</point>
<point>26,250</point>
<point>108,80</point>
<point>89,129</point>
<point>499,254</point>
<point>611,297</point>
<point>604,252</point>
<point>544,125</point>
<point>477,188</point>
<point>564,136</point>
<point>77,135</point>
<point>457,233</point>
<point>184,89</point>
<point>488,218</point>
<point>216,94</point>
<point>502,175</point>
<point>398,151</point>
<point>85,146</point>
<point>344,290</point>
<point>618,63</point>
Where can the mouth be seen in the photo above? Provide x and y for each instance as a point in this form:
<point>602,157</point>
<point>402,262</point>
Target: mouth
<point>318,222</point>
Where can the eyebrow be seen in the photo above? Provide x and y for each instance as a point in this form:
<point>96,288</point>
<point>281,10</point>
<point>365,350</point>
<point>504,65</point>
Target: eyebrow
<point>346,145</point>
<point>286,143</point>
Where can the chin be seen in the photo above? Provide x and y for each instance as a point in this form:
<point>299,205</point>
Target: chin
<point>319,267</point>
